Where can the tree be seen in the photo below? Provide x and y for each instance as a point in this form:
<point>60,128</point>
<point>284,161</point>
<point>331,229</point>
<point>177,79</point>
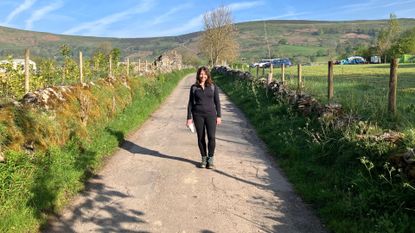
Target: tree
<point>405,44</point>
<point>115,55</point>
<point>66,53</point>
<point>218,42</point>
<point>65,50</point>
<point>388,36</point>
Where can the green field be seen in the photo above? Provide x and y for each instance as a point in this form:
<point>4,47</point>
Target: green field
<point>351,177</point>
<point>361,89</point>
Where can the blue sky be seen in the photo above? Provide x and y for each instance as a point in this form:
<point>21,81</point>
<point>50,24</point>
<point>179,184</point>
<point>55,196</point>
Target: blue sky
<point>149,18</point>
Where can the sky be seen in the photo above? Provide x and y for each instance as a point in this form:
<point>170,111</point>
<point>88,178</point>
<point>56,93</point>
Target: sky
<point>153,18</point>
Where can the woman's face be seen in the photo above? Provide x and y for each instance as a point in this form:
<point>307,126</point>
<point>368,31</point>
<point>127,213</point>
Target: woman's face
<point>203,76</point>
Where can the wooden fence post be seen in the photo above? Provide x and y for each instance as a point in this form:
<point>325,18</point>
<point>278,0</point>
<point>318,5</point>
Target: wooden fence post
<point>330,81</point>
<point>81,73</point>
<point>300,81</point>
<point>257,71</point>
<point>393,83</point>
<point>263,72</point>
<point>145,68</point>
<point>128,66</point>
<point>283,73</point>
<point>139,65</point>
<point>110,65</point>
<point>269,80</point>
<point>26,71</point>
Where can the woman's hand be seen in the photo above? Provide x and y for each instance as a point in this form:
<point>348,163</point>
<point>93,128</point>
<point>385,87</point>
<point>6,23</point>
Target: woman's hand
<point>218,121</point>
<point>189,122</point>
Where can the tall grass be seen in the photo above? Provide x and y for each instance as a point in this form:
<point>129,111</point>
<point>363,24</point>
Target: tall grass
<point>34,185</point>
<point>361,89</point>
<point>349,181</point>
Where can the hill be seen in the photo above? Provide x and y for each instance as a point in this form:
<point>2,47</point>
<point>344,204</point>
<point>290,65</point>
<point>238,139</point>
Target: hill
<point>290,38</point>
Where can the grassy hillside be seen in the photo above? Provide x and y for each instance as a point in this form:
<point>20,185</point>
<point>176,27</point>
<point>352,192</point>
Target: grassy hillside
<point>14,41</point>
<point>301,39</point>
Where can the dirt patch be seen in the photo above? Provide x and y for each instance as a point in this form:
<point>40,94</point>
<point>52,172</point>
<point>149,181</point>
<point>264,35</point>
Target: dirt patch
<point>308,30</point>
<point>355,36</point>
<point>51,38</point>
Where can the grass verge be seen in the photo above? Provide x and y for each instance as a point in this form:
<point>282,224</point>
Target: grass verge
<point>348,180</point>
<point>70,144</point>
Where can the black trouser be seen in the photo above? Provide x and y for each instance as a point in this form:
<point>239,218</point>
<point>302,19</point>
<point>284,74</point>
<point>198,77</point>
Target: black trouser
<point>205,123</point>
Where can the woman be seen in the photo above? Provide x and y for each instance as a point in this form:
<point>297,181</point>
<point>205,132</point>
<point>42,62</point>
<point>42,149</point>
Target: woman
<point>204,109</point>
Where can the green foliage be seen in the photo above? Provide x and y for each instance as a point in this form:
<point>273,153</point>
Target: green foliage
<point>362,90</point>
<point>65,50</point>
<point>345,176</point>
<point>51,73</point>
<point>34,185</point>
<point>405,44</point>
<point>388,36</point>
<point>251,39</point>
<point>115,55</point>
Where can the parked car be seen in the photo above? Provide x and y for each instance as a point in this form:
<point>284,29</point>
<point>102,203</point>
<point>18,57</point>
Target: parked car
<point>356,60</point>
<point>353,60</point>
<point>281,61</point>
<point>260,64</point>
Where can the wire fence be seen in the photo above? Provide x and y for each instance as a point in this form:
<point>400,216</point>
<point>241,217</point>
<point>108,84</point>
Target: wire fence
<point>359,86</point>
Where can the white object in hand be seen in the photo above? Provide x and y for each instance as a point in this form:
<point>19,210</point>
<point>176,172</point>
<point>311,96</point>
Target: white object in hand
<point>191,127</point>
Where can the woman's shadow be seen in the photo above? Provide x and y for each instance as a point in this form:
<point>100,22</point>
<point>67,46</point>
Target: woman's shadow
<point>136,149</point>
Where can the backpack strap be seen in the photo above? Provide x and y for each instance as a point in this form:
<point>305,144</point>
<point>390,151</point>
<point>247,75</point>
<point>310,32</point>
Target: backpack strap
<point>194,91</point>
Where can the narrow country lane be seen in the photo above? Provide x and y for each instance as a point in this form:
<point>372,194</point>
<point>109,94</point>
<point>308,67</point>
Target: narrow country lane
<point>153,184</point>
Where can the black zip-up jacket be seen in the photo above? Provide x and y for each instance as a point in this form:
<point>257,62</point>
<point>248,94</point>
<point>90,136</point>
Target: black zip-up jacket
<point>203,101</point>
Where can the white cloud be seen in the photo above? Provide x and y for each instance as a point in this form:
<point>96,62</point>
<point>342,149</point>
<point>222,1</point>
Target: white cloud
<point>237,6</point>
<point>40,13</point>
<point>290,15</point>
<point>399,3</point>
<point>194,24</point>
<point>165,17</point>
<point>377,7</point>
<point>22,7</point>
<point>98,26</point>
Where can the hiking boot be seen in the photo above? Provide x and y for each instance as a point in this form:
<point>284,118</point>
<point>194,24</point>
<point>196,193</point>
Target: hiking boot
<point>204,162</point>
<point>210,164</point>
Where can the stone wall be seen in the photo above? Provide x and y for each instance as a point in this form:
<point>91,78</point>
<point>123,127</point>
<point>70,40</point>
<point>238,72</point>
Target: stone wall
<point>168,62</point>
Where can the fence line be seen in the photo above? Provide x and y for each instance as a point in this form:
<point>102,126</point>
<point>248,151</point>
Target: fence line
<point>13,85</point>
<point>392,90</point>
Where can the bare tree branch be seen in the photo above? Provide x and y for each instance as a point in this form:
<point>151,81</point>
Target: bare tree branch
<point>218,42</point>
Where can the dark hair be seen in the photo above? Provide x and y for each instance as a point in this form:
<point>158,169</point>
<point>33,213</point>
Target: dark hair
<point>209,80</point>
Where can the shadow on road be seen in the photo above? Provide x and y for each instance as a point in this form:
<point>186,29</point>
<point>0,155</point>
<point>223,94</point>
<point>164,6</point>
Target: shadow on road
<point>108,216</point>
<point>136,149</point>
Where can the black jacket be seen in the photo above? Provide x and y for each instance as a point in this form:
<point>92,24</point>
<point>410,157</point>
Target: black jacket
<point>203,101</point>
